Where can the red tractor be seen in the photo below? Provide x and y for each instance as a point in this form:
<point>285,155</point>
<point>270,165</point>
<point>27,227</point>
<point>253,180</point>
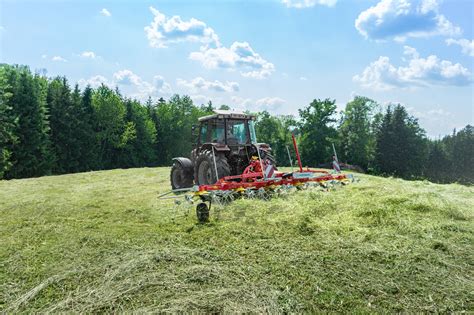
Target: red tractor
<point>225,145</point>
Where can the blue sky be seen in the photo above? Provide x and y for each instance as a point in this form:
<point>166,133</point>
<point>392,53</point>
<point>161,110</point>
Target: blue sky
<point>274,55</point>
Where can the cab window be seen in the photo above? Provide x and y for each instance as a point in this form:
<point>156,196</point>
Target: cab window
<point>237,132</point>
<point>203,134</point>
<point>216,130</point>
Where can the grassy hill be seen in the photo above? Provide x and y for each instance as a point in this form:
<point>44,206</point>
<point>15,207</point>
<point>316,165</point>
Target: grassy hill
<point>102,242</point>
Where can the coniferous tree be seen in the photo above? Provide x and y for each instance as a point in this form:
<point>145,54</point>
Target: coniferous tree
<point>437,164</point>
<point>65,118</point>
<point>31,154</point>
<point>89,158</point>
<point>462,156</point>
<point>7,123</point>
<point>401,145</point>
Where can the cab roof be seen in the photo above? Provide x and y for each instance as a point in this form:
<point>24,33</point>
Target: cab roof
<point>220,114</point>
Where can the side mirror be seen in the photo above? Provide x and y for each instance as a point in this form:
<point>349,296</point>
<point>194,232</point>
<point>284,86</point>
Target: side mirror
<point>194,130</point>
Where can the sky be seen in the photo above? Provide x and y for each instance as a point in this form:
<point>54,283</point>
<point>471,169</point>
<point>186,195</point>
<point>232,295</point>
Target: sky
<point>258,55</point>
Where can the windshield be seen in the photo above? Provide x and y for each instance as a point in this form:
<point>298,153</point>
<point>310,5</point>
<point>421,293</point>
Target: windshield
<point>253,135</point>
<point>236,132</point>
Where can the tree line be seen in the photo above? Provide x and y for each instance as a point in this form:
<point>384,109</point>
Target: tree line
<point>48,127</point>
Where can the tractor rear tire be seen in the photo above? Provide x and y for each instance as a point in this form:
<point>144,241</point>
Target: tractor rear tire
<point>205,170</point>
<point>180,177</point>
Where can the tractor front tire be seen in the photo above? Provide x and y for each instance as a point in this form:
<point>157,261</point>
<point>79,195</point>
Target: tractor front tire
<point>180,177</point>
<point>205,170</point>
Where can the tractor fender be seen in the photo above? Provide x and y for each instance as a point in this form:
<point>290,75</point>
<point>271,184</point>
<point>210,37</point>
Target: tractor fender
<point>185,163</point>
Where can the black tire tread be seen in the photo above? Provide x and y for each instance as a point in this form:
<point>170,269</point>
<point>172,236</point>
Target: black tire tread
<point>188,182</point>
<point>223,168</point>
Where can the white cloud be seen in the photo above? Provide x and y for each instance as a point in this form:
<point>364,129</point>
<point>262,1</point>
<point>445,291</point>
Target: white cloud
<point>199,99</point>
<point>241,103</point>
<point>44,56</point>
<point>200,83</point>
<point>58,58</point>
<point>127,77</point>
<point>239,56</point>
<point>105,12</point>
<point>382,75</point>
<point>399,19</point>
<point>163,31</point>
<point>467,46</point>
<point>141,88</point>
<point>301,4</point>
<point>131,84</point>
<point>88,54</point>
<point>161,85</point>
<point>303,78</point>
<point>95,81</point>
<point>212,54</point>
<point>272,104</point>
<point>436,121</point>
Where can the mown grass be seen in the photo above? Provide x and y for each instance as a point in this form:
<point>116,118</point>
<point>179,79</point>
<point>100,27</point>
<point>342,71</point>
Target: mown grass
<point>102,242</point>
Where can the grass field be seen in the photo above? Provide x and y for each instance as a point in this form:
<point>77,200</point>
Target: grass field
<point>102,242</point>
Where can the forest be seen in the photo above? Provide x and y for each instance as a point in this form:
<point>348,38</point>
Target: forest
<point>49,127</point>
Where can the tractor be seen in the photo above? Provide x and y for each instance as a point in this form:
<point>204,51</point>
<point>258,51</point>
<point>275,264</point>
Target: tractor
<point>225,145</point>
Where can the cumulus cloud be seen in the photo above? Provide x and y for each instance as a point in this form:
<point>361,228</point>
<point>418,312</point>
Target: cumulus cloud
<point>399,19</point>
<point>163,31</point>
<point>88,54</point>
<point>161,85</point>
<point>199,99</point>
<point>436,121</point>
<point>382,75</point>
<point>303,78</point>
<point>95,81</point>
<point>212,54</point>
<point>142,89</point>
<point>241,103</point>
<point>467,46</point>
<point>105,12</point>
<point>301,4</point>
<point>132,84</point>
<point>200,83</point>
<point>58,58</point>
<point>240,55</point>
<point>271,104</point>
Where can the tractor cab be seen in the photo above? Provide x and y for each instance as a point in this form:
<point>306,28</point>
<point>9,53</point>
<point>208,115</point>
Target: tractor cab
<point>227,128</point>
<point>225,145</point>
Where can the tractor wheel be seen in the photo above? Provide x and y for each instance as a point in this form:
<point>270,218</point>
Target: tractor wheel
<point>180,177</point>
<point>205,170</point>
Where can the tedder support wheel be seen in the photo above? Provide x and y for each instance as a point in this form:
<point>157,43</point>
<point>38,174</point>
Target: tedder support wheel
<point>205,170</point>
<point>202,212</point>
<point>180,177</point>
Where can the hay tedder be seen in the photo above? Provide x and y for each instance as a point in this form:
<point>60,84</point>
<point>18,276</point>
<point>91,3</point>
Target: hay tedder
<point>228,163</point>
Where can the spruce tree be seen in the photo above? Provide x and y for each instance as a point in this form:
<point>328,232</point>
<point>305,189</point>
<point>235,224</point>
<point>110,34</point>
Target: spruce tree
<point>7,122</point>
<point>31,154</point>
